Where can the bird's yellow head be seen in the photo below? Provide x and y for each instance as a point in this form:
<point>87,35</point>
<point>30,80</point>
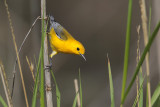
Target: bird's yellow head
<point>78,48</point>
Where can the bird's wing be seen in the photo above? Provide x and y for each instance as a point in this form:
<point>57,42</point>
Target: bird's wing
<point>59,30</point>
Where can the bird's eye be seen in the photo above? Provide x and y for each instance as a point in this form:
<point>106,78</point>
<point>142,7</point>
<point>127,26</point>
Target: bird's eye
<point>78,49</point>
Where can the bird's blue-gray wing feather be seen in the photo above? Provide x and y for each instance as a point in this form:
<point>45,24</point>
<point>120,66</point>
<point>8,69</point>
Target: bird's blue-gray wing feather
<point>57,28</point>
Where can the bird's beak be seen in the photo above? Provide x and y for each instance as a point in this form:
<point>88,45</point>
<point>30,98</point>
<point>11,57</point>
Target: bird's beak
<point>83,56</point>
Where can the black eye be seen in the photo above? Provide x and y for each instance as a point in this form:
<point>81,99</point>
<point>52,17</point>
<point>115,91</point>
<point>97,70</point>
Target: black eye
<point>78,49</point>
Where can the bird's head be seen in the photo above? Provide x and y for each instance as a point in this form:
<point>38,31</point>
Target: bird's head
<point>78,49</point>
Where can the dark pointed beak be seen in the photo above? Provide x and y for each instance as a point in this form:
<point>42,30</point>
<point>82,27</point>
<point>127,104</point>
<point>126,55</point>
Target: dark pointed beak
<point>83,56</point>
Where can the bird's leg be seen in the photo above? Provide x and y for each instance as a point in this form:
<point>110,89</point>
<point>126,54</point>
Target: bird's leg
<point>53,53</point>
<point>49,66</point>
<point>50,61</point>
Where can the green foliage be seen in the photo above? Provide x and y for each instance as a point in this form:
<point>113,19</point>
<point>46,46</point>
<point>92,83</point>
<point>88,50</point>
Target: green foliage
<point>35,90</point>
<point>141,79</point>
<point>42,103</point>
<point>58,94</point>
<point>80,87</point>
<point>3,102</point>
<point>75,101</point>
<point>156,95</point>
<point>127,44</point>
<point>147,48</point>
<point>111,85</point>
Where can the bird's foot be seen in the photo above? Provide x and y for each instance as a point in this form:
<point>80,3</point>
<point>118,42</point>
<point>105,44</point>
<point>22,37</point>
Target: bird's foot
<point>48,66</point>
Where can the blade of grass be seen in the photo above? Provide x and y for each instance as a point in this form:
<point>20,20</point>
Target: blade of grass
<point>77,91</point>
<point>3,102</point>
<point>111,84</point>
<point>157,103</point>
<point>156,95</point>
<point>141,60</point>
<point>58,94</point>
<point>75,100</point>
<point>15,46</point>
<point>141,84</point>
<point>34,98</point>
<point>43,12</point>
<point>127,44</point>
<point>35,90</point>
<point>5,85</point>
<point>42,68</point>
<point>150,14</point>
<point>80,87</point>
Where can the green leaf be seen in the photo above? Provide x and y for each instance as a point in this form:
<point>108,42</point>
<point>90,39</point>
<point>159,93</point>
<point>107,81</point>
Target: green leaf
<point>42,103</point>
<point>80,86</point>
<point>3,102</point>
<point>157,103</point>
<point>111,85</point>
<point>150,14</point>
<point>156,95</point>
<point>141,84</point>
<point>58,94</point>
<point>141,61</point>
<point>127,44</point>
<point>34,98</point>
<point>75,101</point>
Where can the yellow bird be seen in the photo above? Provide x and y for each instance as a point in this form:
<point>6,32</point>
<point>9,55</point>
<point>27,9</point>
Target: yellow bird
<point>62,41</point>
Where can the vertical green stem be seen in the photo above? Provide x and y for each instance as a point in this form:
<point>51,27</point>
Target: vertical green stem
<point>42,103</point>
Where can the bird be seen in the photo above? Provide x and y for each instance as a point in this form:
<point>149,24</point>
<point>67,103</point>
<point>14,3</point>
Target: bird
<point>61,41</point>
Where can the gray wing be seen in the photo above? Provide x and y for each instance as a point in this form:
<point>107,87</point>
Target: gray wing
<point>58,29</point>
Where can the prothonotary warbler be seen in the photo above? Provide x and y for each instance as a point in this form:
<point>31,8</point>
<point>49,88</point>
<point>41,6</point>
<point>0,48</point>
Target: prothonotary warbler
<point>62,41</point>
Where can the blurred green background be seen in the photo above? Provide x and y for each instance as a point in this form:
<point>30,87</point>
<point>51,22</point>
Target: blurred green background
<point>100,25</point>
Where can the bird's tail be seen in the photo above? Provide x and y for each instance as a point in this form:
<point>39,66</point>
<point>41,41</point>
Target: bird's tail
<point>51,21</point>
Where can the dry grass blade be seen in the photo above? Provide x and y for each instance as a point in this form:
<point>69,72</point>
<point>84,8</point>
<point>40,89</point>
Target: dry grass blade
<point>5,85</point>
<point>145,33</point>
<point>76,89</point>
<point>14,41</point>
<point>138,50</point>
<point>25,40</point>
<point>14,69</point>
<point>31,67</point>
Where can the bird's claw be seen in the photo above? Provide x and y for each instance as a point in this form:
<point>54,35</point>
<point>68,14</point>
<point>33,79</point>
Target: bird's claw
<point>48,67</point>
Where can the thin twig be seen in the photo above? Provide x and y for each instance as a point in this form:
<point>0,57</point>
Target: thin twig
<point>14,69</point>
<point>5,85</point>
<point>25,40</point>
<point>14,41</point>
<point>76,89</point>
<point>145,33</point>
